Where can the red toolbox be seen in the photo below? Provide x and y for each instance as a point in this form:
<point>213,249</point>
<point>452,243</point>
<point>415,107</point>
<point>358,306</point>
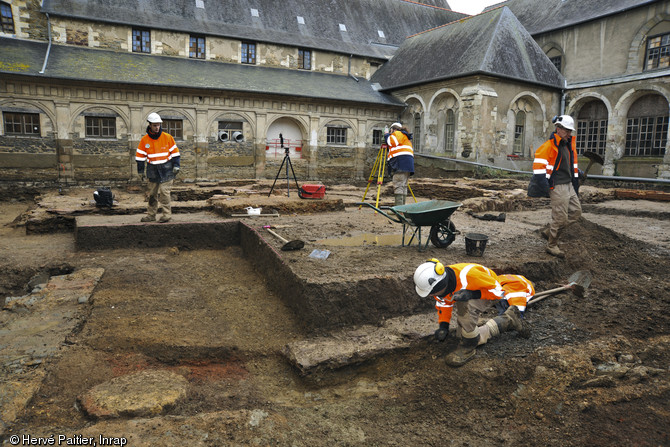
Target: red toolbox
<point>312,191</point>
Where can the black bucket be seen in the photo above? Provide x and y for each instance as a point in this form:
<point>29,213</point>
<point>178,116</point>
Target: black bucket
<point>475,244</point>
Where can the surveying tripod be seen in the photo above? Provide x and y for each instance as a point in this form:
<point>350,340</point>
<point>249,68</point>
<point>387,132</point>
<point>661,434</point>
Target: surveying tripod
<point>378,167</point>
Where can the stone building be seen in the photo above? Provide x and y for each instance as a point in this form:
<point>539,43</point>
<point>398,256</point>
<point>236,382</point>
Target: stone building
<point>233,80</point>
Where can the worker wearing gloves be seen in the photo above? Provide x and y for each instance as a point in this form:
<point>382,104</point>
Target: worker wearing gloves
<point>400,159</point>
<point>556,175</point>
<point>159,151</point>
<point>472,289</point>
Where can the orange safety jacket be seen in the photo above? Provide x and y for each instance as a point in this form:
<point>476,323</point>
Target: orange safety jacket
<point>399,144</point>
<point>470,277</point>
<point>546,155</point>
<point>158,151</point>
<point>518,290</point>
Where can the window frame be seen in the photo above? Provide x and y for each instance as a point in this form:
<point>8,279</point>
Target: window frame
<point>141,45</point>
<point>519,133</point>
<point>450,131</point>
<point>200,47</point>
<point>6,21</point>
<point>8,119</point>
<point>248,53</point>
<point>558,62</point>
<point>336,135</point>
<point>100,124</point>
<point>174,127</point>
<point>660,52</point>
<point>377,137</point>
<point>655,132</point>
<point>304,55</point>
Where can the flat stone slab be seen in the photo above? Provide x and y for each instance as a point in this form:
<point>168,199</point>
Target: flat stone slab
<point>32,329</point>
<point>353,346</point>
<point>142,394</point>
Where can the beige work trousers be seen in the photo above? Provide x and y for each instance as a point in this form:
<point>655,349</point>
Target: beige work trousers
<point>159,194</point>
<point>467,317</point>
<point>565,210</point>
<point>400,181</point>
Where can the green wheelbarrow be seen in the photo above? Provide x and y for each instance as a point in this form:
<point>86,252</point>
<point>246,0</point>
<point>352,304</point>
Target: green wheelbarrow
<point>435,214</point>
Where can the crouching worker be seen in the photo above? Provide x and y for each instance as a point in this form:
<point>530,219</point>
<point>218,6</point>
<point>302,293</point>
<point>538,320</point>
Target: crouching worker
<point>472,289</point>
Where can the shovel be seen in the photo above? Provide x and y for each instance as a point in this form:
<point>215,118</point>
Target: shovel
<point>577,283</point>
<point>288,245</point>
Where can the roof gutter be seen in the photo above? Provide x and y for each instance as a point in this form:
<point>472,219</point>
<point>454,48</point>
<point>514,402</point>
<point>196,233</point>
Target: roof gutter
<point>46,57</point>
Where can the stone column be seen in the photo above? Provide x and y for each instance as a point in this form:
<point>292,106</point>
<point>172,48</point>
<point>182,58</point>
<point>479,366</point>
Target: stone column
<point>136,128</point>
<point>313,145</point>
<point>260,139</point>
<point>201,143</point>
<point>64,146</point>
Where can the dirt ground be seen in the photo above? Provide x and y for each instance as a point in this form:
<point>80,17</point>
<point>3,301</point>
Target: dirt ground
<point>595,371</point>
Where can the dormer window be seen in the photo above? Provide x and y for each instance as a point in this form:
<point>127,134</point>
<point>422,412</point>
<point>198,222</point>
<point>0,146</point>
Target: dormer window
<point>7,18</point>
<point>658,52</point>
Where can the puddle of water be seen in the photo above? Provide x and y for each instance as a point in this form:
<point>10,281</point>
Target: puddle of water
<point>363,239</point>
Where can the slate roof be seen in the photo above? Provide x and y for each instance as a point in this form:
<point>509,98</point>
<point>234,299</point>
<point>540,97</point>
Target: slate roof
<point>276,22</point>
<point>23,57</point>
<point>542,16</point>
<point>492,43</point>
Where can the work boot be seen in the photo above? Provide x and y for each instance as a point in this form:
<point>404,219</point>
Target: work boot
<point>399,199</point>
<point>555,251</point>
<point>148,219</point>
<point>465,351</point>
<point>511,320</point>
<point>164,219</point>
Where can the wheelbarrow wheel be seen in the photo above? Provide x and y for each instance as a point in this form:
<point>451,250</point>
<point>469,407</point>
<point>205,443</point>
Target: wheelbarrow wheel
<point>443,234</point>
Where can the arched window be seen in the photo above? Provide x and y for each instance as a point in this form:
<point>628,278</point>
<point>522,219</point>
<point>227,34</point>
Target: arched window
<point>592,128</point>
<point>647,126</point>
<point>416,139</point>
<point>519,132</point>
<point>6,18</point>
<point>450,131</point>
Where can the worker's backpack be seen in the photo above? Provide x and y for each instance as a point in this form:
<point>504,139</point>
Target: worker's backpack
<point>103,197</point>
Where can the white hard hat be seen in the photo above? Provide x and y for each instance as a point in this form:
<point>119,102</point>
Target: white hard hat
<point>398,125</point>
<point>154,118</point>
<point>427,275</point>
<point>564,121</point>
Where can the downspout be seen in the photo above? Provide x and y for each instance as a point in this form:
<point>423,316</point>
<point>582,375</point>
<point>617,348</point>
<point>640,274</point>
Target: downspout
<point>46,57</point>
<point>349,69</point>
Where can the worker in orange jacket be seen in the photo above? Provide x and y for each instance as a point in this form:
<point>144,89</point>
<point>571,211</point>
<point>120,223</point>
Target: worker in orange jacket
<point>472,289</point>
<point>556,175</point>
<point>160,152</point>
<point>400,159</point>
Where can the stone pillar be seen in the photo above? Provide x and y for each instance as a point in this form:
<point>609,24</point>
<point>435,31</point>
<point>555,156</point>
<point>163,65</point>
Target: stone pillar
<point>313,166</point>
<point>358,171</point>
<point>136,128</point>
<point>201,143</point>
<point>64,146</point>
<point>260,140</point>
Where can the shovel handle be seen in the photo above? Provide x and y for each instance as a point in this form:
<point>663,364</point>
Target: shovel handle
<point>542,295</point>
<point>276,235</point>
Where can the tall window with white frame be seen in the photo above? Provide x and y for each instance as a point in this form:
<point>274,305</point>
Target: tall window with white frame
<point>248,53</point>
<point>647,127</point>
<point>196,48</point>
<point>336,135</point>
<point>141,41</point>
<point>304,59</point>
<point>6,18</point>
<point>416,138</point>
<point>592,128</point>
<point>24,124</point>
<point>450,131</point>
<point>519,132</point>
<point>658,52</point>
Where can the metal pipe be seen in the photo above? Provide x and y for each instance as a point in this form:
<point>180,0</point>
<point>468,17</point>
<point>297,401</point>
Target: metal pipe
<point>592,176</point>
<point>46,57</point>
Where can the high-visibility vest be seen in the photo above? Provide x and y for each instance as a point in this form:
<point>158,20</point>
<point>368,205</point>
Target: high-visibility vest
<point>157,151</point>
<point>518,290</point>
<point>546,155</point>
<point>399,144</point>
<point>470,277</point>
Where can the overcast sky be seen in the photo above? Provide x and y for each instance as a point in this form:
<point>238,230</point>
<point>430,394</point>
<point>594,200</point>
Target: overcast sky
<point>471,7</point>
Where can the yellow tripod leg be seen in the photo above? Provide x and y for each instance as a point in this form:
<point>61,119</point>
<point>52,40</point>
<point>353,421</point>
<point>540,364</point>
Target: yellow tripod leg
<point>411,192</point>
<point>380,177</point>
<point>372,174</point>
